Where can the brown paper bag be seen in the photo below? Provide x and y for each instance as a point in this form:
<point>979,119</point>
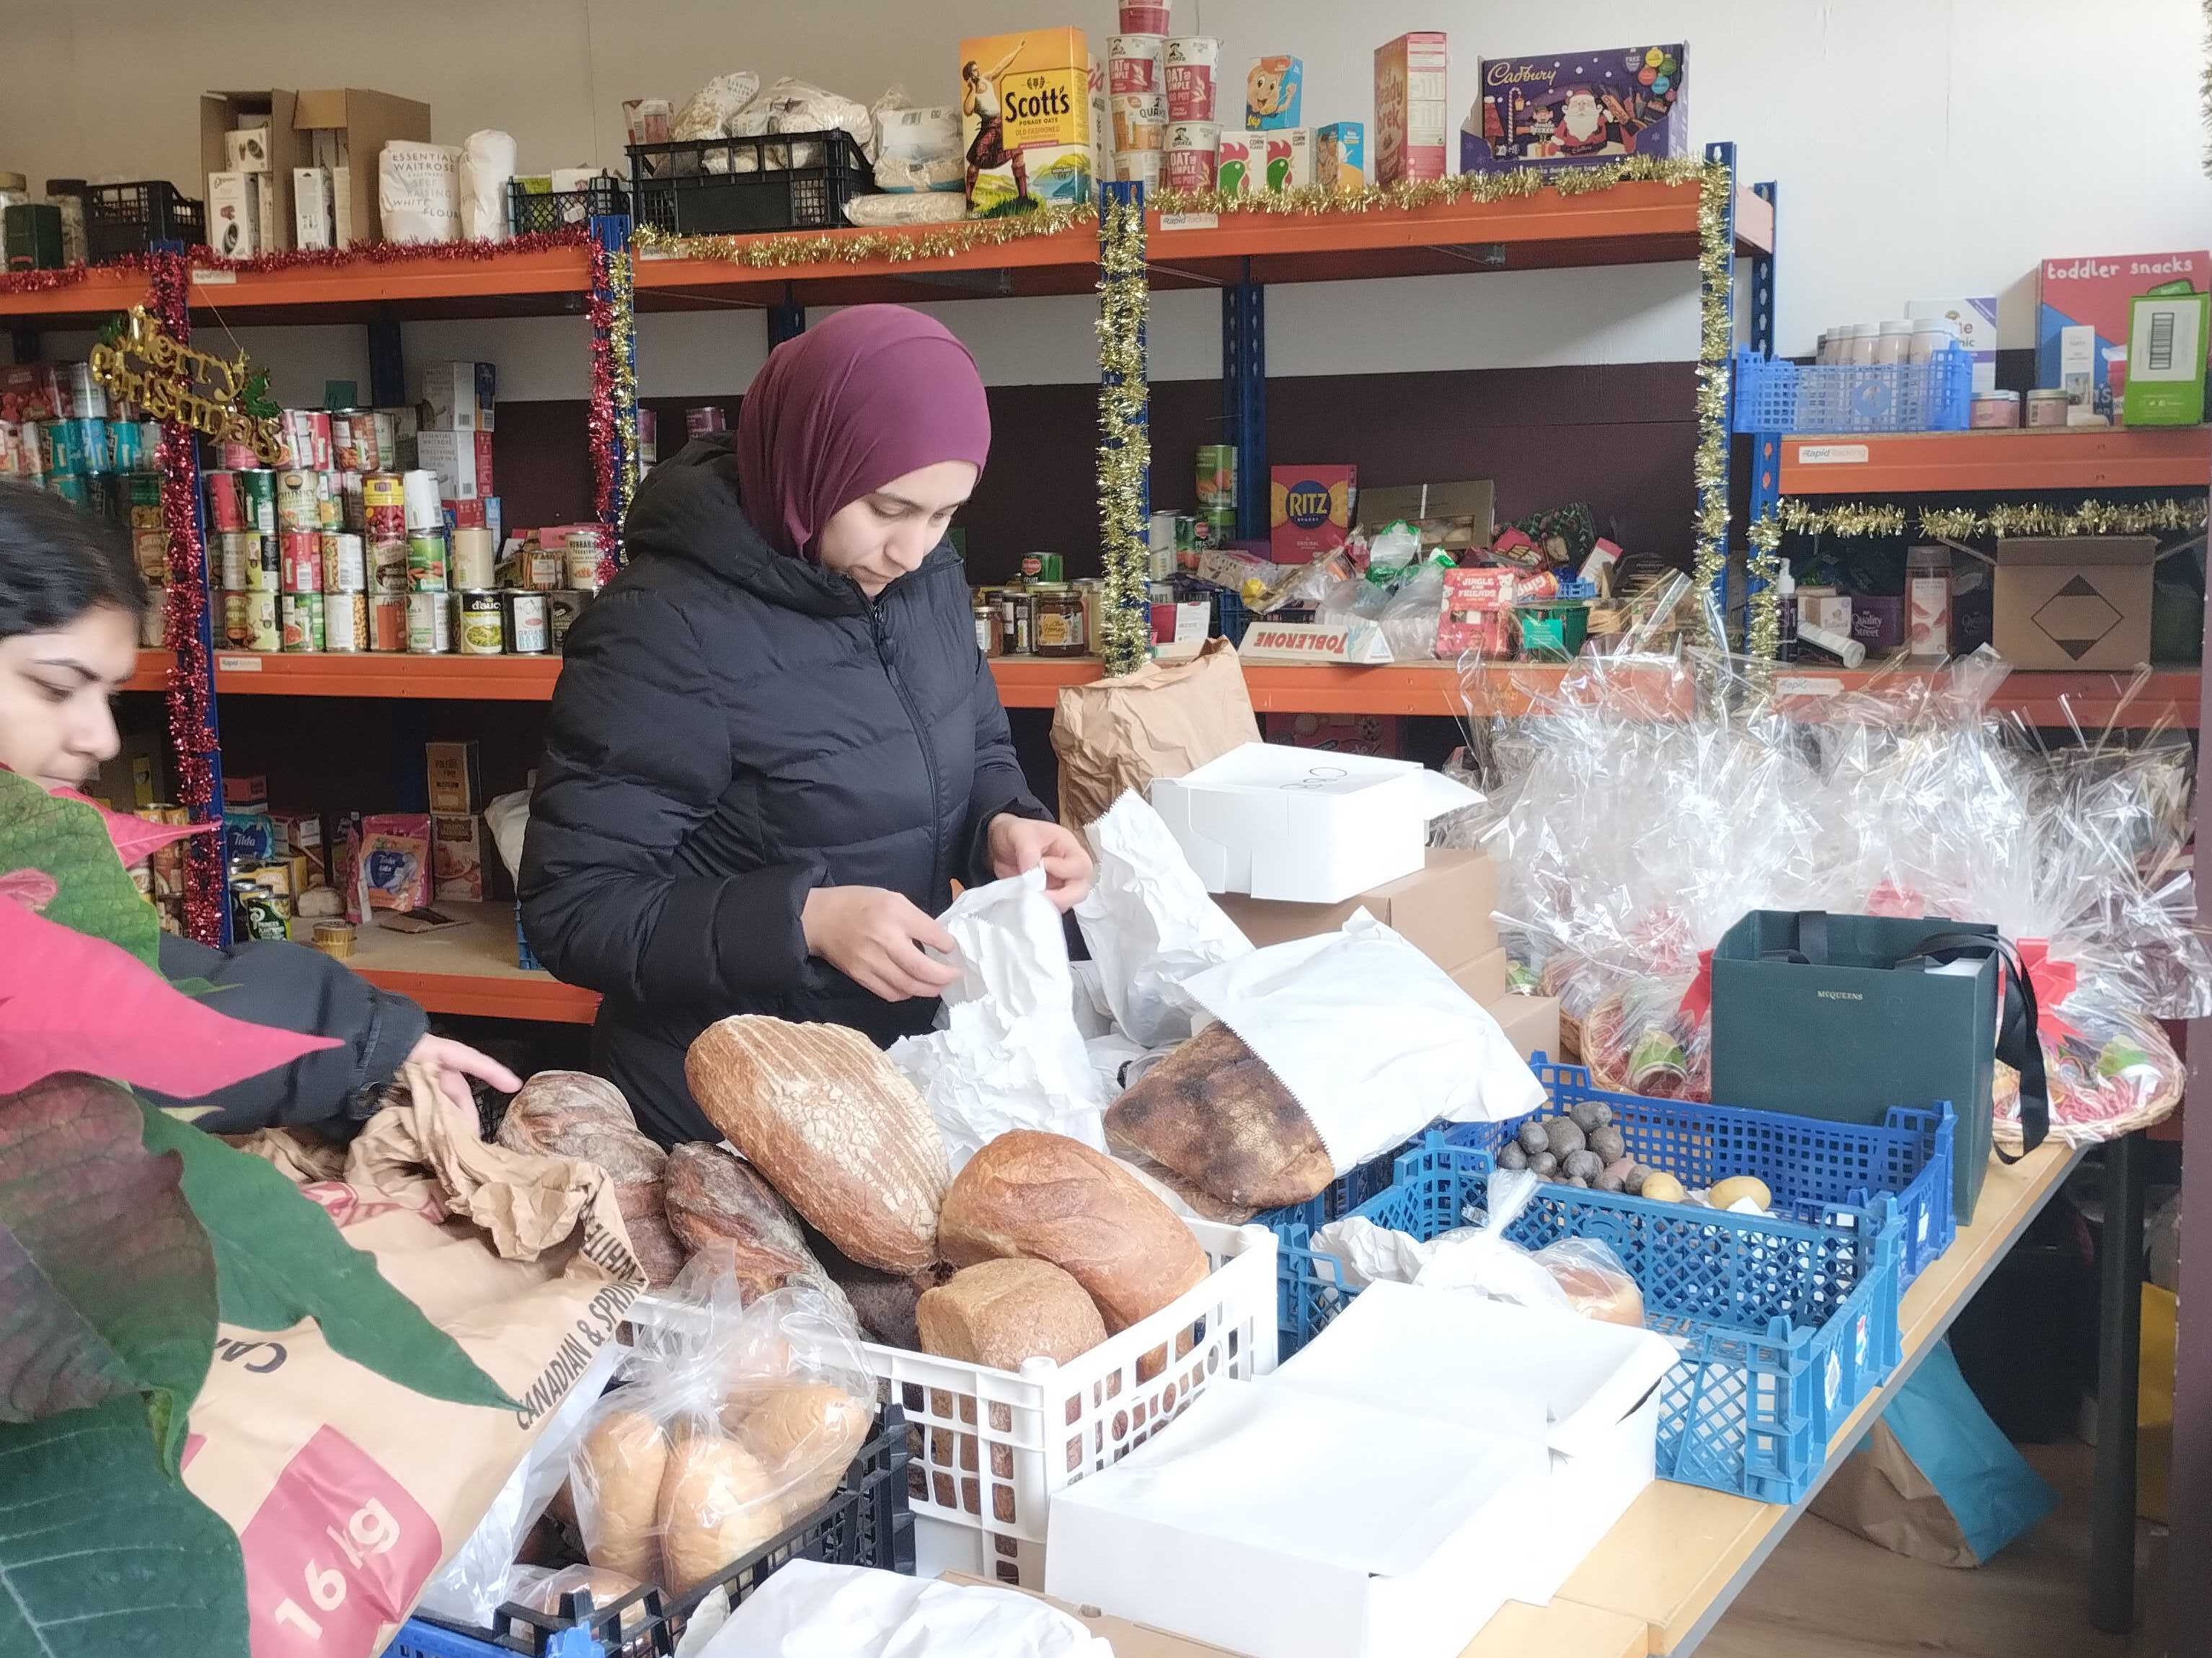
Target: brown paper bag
<point>1880,1494</point>
<point>1164,721</point>
<point>348,1492</point>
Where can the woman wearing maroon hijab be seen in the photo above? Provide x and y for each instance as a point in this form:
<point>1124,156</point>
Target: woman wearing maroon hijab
<point>775,745</point>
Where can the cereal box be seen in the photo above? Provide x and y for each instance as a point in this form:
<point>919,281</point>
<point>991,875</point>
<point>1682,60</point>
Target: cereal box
<point>1234,166</point>
<point>1410,108</point>
<point>1577,108</point>
<point>1339,163</point>
<point>1287,163</point>
<point>1309,511</point>
<point>1274,92</point>
<point>1025,108</point>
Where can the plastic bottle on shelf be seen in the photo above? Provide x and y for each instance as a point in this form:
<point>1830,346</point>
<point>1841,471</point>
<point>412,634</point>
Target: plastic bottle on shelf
<point>1928,603</point>
<point>1848,651</point>
<point>1931,335</point>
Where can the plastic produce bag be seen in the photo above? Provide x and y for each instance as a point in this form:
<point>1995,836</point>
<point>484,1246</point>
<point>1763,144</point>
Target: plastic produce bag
<point>710,110</point>
<point>487,168</point>
<point>1409,620</point>
<point>918,149</point>
<point>1150,924</point>
<point>1009,1055</point>
<point>735,1426</point>
<point>811,1609</point>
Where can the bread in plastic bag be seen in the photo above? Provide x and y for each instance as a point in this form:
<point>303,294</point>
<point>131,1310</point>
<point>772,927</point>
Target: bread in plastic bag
<point>934,208</point>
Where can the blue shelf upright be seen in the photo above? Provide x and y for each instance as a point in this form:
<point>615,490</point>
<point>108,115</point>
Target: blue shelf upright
<point>1244,397</point>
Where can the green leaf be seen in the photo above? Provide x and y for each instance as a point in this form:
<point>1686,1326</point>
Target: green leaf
<point>280,1259</point>
<point>199,988</point>
<point>68,840</point>
<point>107,1283</point>
<point>101,1556</point>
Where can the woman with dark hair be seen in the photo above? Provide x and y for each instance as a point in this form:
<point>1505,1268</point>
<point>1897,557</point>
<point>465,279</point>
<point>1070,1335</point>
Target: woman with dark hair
<point>70,597</point>
<point>773,746</point>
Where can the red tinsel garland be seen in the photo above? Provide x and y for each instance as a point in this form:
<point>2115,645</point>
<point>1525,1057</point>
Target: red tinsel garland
<point>306,258</point>
<point>600,415</point>
<point>191,735</point>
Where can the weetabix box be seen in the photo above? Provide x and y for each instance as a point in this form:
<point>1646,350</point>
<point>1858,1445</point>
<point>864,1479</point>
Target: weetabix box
<point>1025,116</point>
<point>1577,109</point>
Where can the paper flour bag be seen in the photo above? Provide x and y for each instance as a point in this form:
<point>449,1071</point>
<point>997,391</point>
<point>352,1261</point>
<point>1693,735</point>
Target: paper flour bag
<point>418,191</point>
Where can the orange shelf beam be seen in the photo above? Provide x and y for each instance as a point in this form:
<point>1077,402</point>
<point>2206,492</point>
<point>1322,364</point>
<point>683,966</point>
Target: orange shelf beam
<point>447,679</point>
<point>2174,457</point>
<point>153,672</point>
<point>545,998</point>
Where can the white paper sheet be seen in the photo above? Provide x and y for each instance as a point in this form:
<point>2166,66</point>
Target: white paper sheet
<point>1009,1055</point>
<point>810,1610</point>
<point>1371,1036</point>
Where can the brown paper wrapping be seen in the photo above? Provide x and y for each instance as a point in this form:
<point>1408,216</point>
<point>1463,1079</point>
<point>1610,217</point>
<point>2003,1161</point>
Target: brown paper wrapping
<point>1165,720</point>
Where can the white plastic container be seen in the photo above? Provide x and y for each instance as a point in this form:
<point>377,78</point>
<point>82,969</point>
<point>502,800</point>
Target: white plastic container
<point>1894,342</point>
<point>1858,343</point>
<point>1931,335</point>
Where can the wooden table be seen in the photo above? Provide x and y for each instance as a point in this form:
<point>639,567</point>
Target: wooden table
<point>1680,1555</point>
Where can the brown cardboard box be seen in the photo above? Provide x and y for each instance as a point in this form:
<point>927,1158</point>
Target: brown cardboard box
<point>455,784</point>
<point>366,121</point>
<point>1531,1023</point>
<point>1484,978</point>
<point>138,775</point>
<point>1443,912</point>
<point>1434,504</point>
<point>2081,601</point>
<point>219,113</point>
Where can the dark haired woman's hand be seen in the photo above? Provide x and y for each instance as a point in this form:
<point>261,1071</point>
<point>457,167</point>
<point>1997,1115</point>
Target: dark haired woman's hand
<point>1019,844</point>
<point>876,938</point>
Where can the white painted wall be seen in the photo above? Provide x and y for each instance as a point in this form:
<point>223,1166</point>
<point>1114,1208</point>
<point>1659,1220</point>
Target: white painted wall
<point>1923,146</point>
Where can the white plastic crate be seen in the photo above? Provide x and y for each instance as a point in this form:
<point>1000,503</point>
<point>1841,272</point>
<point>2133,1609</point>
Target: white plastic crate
<point>993,1446</point>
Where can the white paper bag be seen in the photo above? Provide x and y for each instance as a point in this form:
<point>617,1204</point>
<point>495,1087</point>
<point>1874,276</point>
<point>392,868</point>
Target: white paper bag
<point>811,1609</point>
<point>1009,1055</point>
<point>1149,923</point>
<point>487,169</point>
<point>418,191</point>
<point>1371,1036</point>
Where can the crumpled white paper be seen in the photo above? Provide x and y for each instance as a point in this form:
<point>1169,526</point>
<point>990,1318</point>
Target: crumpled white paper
<point>1149,923</point>
<point>1371,1036</point>
<point>811,1609</point>
<point>1478,1258</point>
<point>1008,1055</point>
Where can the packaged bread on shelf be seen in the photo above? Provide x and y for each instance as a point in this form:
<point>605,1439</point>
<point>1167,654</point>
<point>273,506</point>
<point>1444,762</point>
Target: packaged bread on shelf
<point>1050,1198</point>
<point>570,1114</point>
<point>1213,1114</point>
<point>1002,1313</point>
<point>834,1127</point>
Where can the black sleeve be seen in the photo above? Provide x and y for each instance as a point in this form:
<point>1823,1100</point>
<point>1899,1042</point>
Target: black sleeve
<point>293,988</point>
<point>637,754</point>
<point>1000,785</point>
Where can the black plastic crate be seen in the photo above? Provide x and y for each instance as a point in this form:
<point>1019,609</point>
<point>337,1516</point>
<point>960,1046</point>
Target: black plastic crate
<point>130,219</point>
<point>532,212</point>
<point>719,187</point>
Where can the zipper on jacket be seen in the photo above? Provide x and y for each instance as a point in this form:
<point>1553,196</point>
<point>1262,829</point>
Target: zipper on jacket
<point>879,626</point>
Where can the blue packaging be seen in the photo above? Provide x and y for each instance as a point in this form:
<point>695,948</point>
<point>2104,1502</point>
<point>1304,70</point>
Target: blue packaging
<point>65,456</point>
<point>248,838</point>
<point>1274,92</point>
<point>1339,164</point>
<point>123,452</point>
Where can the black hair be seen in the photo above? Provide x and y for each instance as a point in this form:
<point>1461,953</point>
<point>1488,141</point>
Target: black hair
<point>57,561</point>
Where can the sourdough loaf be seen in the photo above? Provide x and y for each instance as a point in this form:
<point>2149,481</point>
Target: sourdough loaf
<point>567,1114</point>
<point>1000,1312</point>
<point>1214,1114</point>
<point>719,1207</point>
<point>835,1128</point>
<point>1052,1199</point>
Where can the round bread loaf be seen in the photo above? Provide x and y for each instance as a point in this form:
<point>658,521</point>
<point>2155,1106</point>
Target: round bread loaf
<point>718,1504</point>
<point>616,1478</point>
<point>1214,1114</point>
<point>1000,1312</point>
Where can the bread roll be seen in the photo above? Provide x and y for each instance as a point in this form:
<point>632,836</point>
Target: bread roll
<point>807,1435</point>
<point>1217,1116</point>
<point>718,1504</point>
<point>834,1127</point>
<point>618,1472</point>
<point>567,1113</point>
<point>1595,1293</point>
<point>1000,1312</point>
<point>1051,1198</point>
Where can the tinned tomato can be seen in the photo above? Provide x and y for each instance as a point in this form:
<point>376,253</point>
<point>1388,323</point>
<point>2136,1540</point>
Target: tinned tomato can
<point>387,621</point>
<point>226,505</point>
<point>303,621</point>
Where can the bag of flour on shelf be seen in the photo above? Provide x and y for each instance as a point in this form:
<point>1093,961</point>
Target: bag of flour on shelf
<point>919,149</point>
<point>418,191</point>
<point>487,169</point>
<point>878,211</point>
<point>709,111</point>
<point>792,106</point>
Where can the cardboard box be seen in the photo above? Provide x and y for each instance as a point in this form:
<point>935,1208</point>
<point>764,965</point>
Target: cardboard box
<point>2166,358</point>
<point>300,838</point>
<point>448,397</point>
<point>1358,643</point>
<point>1454,516</point>
<point>1484,978</point>
<point>456,786</point>
<point>1442,909</point>
<point>1411,113</point>
<point>457,857</point>
<point>358,124</point>
<point>2095,292</point>
<point>221,116</point>
<point>1577,109</point>
<point>1341,734</point>
<point>1282,823</point>
<point>1274,94</point>
<point>1531,1023</point>
<point>1035,89</point>
<point>136,777</point>
<point>1976,319</point>
<point>1128,1639</point>
<point>234,215</point>
<point>1309,511</point>
<point>1340,157</point>
<point>2073,601</point>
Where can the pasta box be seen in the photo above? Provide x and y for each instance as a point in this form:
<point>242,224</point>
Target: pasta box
<point>1309,511</point>
<point>1577,109</point>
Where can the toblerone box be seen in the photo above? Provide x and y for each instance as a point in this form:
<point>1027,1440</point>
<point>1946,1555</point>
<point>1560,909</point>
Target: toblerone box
<point>1035,89</point>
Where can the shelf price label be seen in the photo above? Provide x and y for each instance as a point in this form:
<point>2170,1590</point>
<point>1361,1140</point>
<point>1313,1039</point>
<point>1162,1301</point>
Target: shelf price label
<point>238,665</point>
<point>1832,454</point>
<point>335,1554</point>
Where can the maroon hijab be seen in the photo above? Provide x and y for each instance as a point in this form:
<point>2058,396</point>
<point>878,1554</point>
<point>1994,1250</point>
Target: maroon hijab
<point>870,394</point>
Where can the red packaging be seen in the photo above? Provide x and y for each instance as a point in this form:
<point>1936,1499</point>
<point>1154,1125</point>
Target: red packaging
<point>29,391</point>
<point>299,569</point>
<point>383,508</point>
<point>484,485</point>
<point>466,515</point>
<point>1478,613</point>
<point>226,510</point>
<point>387,621</point>
<point>237,457</point>
<point>393,863</point>
<point>1144,16</point>
<point>1309,511</point>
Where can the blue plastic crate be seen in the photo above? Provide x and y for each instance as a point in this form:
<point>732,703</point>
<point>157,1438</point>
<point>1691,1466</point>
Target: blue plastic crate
<point>1781,396</point>
<point>1296,1221</point>
<point>525,957</point>
<point>1815,1170</point>
<point>1782,1327</point>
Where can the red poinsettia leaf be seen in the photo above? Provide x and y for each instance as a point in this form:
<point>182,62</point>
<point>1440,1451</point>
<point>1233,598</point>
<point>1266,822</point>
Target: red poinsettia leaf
<point>34,889</point>
<point>135,839</point>
<point>72,1002</point>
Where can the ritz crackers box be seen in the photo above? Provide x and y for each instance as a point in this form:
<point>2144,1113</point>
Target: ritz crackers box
<point>1309,512</point>
<point>1577,109</point>
<point>1026,115</point>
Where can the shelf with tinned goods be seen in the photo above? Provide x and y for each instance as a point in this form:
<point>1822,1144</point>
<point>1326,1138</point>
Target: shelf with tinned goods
<point>471,970</point>
<point>381,674</point>
<point>1641,223</point>
<point>1961,463</point>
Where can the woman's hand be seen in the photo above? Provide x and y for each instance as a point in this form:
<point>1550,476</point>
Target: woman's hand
<point>1019,844</point>
<point>876,939</point>
<point>453,1063</point>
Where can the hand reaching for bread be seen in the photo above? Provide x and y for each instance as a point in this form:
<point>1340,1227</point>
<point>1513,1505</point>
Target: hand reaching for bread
<point>876,938</point>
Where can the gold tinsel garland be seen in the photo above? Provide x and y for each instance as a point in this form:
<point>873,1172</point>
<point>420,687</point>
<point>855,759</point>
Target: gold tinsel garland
<point>2164,517</point>
<point>1716,347</point>
<point>1436,192</point>
<point>622,326</point>
<point>783,251</point>
<point>1762,623</point>
<point>1125,447</point>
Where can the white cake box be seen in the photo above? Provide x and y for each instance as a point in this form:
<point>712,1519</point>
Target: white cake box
<point>1304,825</point>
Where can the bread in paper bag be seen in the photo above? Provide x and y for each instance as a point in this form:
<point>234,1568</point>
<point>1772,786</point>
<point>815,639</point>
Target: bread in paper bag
<point>1163,720</point>
<point>1214,1114</point>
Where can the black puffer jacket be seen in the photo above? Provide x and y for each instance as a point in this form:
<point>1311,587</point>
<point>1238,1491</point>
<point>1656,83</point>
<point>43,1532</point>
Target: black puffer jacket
<point>731,728</point>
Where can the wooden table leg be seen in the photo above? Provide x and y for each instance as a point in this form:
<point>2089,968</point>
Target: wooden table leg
<point>2119,1328</point>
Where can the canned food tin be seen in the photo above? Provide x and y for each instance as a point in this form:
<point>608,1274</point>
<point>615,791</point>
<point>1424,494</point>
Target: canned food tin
<point>70,487</point>
<point>352,514</point>
<point>296,508</point>
<point>388,566</point>
<point>303,621</point>
<point>65,448</point>
<point>104,494</point>
<point>150,539</point>
<point>239,554</point>
<point>345,621</point>
<point>483,628</point>
<point>330,501</point>
<point>236,457</point>
<point>581,558</point>
<point>124,452</point>
<point>265,632</point>
<point>92,440</point>
<point>384,507</point>
<point>258,489</point>
<point>525,617</point>
<point>263,574</point>
<point>387,437</point>
<point>474,566</point>
<point>258,914</point>
<point>345,564</point>
<point>300,566</point>
<point>353,440</point>
<point>429,624</point>
<point>561,610</point>
<point>387,621</point>
<point>237,621</point>
<point>154,620</point>
<point>419,492</point>
<point>545,569</point>
<point>426,562</point>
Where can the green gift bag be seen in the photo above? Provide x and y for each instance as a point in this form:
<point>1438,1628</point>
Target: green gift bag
<point>1841,1017</point>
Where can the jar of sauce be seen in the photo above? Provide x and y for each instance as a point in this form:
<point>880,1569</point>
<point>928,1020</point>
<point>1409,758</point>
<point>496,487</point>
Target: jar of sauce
<point>1056,620</point>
